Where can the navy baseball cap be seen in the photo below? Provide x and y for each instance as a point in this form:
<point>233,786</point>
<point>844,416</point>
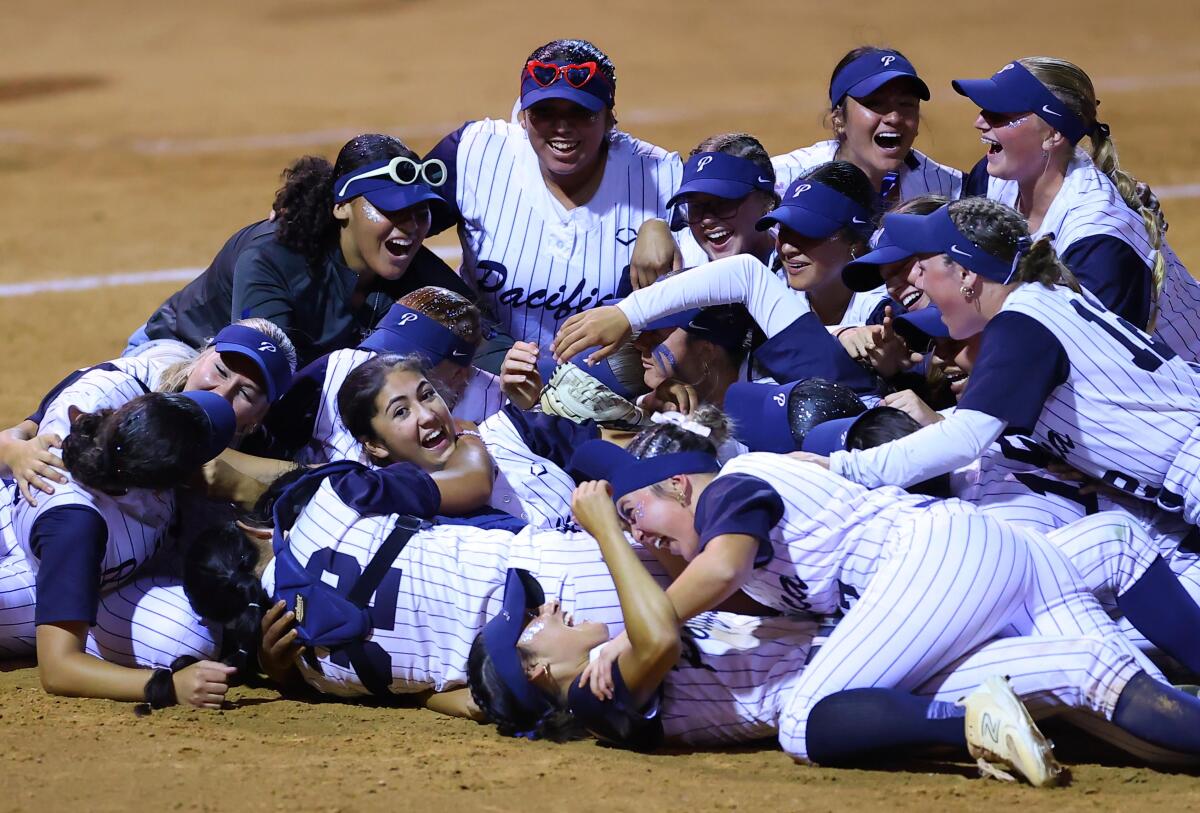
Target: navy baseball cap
<point>222,420</point>
<point>815,211</point>
<point>602,460</point>
<point>561,80</point>
<point>760,415</point>
<point>920,328</point>
<point>1013,89</point>
<point>726,326</point>
<point>863,274</point>
<point>260,348</point>
<point>872,70</point>
<point>404,330</point>
<point>723,176</point>
<point>393,184</point>
<point>522,594</point>
<point>935,233</point>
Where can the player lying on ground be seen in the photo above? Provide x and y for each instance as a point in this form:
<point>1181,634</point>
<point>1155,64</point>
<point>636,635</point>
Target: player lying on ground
<point>249,363</point>
<point>721,678</point>
<point>798,539</point>
<point>96,531</point>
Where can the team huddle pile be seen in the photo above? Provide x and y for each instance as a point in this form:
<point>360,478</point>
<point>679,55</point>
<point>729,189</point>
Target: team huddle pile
<point>842,447</point>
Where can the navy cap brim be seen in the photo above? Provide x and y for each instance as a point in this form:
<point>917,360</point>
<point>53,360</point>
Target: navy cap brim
<point>916,234</point>
<point>990,96</point>
<point>873,83</point>
<point>274,388</point>
<point>829,437</point>
<point>920,327</point>
<point>562,90</point>
<point>222,420</point>
<point>500,636</point>
<point>717,187</point>
<point>864,275</point>
<point>807,222</point>
<point>394,197</point>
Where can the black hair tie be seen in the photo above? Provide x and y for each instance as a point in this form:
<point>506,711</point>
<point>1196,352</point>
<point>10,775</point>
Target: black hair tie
<point>159,692</point>
<point>1103,129</point>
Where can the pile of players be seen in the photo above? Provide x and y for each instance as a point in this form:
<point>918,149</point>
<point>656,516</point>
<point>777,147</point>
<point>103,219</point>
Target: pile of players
<point>894,432</point>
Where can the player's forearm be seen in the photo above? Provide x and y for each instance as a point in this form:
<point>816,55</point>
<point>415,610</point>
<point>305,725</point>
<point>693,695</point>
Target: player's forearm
<point>932,450</point>
<point>242,478</point>
<point>70,672</point>
<point>713,576</point>
<point>650,619</point>
<point>741,279</point>
<point>465,484</point>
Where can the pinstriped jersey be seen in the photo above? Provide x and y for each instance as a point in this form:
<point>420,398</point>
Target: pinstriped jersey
<point>527,485</point>
<point>1127,405</point>
<point>918,175</point>
<point>149,623</point>
<point>447,582</point>
<point>727,684</point>
<point>833,532</point>
<point>97,389</point>
<point>331,440</point>
<point>533,262</point>
<point>1089,205</point>
<point>137,521</point>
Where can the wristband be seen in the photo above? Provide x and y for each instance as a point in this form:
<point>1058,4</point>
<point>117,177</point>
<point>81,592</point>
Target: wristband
<point>160,689</point>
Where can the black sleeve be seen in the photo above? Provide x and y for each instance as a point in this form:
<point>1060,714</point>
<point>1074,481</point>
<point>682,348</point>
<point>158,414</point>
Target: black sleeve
<point>1020,363</point>
<point>428,268</point>
<point>446,151</point>
<point>289,423</point>
<point>739,504</point>
<point>1115,273</point>
<point>551,436</point>
<point>69,542</point>
<point>261,286</point>
<point>618,721</point>
<point>975,183</point>
<point>806,349</point>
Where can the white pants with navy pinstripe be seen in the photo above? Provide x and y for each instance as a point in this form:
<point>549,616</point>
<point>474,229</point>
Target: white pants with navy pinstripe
<point>17,601</point>
<point>1183,477</point>
<point>945,586</point>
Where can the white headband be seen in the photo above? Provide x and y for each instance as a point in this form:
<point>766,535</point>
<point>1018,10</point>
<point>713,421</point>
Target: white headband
<point>682,421</point>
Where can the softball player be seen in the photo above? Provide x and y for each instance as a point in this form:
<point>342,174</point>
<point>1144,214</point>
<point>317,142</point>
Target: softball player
<point>351,229</point>
<point>439,326</point>
<point>798,540</point>
<point>1114,403</point>
<point>734,680</point>
<point>249,363</point>
<point>1034,112</point>
<point>549,207</point>
<point>432,598</point>
<point>875,101</point>
<point>98,528</point>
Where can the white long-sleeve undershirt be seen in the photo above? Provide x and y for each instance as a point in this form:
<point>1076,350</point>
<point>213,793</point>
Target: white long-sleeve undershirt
<point>741,279</point>
<point>932,450</point>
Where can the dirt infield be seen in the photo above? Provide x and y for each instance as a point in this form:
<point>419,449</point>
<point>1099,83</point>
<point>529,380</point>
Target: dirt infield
<point>138,136</point>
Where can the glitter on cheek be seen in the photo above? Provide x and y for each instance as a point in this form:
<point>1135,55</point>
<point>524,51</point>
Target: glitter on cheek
<point>535,626</point>
<point>371,213</point>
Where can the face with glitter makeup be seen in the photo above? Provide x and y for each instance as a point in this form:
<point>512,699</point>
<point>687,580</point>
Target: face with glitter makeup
<point>553,636</point>
<point>384,243</point>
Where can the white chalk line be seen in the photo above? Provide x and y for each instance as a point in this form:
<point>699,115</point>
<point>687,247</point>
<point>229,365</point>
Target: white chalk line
<point>95,281</point>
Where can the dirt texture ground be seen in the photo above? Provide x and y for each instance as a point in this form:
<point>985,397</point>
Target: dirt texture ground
<point>137,136</point>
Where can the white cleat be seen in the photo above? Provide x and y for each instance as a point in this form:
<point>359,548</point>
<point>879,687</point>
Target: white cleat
<point>1001,735</point>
